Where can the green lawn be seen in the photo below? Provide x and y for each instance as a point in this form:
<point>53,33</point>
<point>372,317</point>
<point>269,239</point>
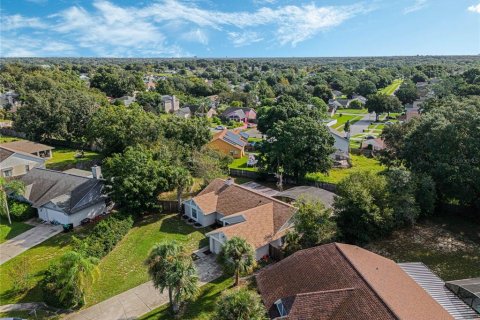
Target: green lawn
<point>448,245</point>
<point>120,270</point>
<point>4,139</point>
<point>241,163</point>
<point>9,231</point>
<point>359,164</point>
<point>40,315</point>
<point>342,119</point>
<point>200,309</point>
<point>353,111</point>
<point>124,268</point>
<point>64,158</point>
<point>251,139</point>
<point>389,90</point>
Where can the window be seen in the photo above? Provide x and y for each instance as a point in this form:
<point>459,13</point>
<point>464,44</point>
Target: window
<point>281,308</point>
<point>194,213</point>
<point>7,173</point>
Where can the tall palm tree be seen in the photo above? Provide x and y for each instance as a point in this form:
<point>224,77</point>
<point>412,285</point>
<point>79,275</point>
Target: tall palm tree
<point>240,255</point>
<point>172,269</point>
<point>14,186</point>
<point>75,274</point>
<point>182,180</point>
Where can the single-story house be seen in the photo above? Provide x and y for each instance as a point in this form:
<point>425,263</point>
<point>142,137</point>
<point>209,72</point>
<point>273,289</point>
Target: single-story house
<point>376,144</point>
<point>229,143</point>
<point>236,114</point>
<point>30,147</point>
<point>343,102</point>
<point>307,193</point>
<point>14,163</point>
<point>170,104</point>
<point>341,281</point>
<point>360,98</point>
<point>63,197</point>
<point>184,112</point>
<point>341,145</point>
<point>242,212</point>
<point>337,93</point>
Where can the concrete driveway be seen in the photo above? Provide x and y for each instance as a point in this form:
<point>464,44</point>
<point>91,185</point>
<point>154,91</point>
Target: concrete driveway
<point>362,124</point>
<point>139,300</point>
<point>24,241</point>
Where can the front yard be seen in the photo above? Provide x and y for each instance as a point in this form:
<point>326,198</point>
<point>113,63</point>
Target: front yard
<point>343,118</point>
<point>65,158</point>
<point>9,231</point>
<point>120,270</point>
<point>359,164</point>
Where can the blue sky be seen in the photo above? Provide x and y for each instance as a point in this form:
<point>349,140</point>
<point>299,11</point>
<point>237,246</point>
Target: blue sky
<point>238,28</point>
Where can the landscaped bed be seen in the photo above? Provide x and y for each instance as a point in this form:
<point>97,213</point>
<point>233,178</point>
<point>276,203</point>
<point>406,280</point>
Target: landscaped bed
<point>122,269</point>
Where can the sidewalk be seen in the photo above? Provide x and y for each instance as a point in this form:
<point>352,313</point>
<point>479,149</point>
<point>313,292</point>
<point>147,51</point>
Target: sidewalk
<point>137,301</point>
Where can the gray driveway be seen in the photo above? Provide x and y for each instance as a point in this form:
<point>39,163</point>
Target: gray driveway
<point>24,241</point>
<point>362,124</point>
<point>137,301</point>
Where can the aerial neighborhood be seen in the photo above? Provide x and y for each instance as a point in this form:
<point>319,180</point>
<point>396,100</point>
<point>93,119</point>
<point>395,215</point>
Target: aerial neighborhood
<point>134,186</point>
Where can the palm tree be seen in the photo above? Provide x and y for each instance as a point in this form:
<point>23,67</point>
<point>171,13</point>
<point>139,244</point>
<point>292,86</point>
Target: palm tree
<point>239,254</point>
<point>14,186</point>
<point>240,304</point>
<point>172,269</point>
<point>182,180</point>
<point>75,274</point>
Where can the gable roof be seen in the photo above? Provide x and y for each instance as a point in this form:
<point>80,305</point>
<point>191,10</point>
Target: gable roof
<point>332,276</point>
<point>26,146</point>
<point>229,137</point>
<point>265,216</point>
<point>6,152</point>
<point>69,192</point>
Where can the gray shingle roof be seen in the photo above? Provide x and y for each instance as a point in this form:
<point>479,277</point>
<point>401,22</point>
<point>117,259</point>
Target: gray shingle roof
<point>69,192</point>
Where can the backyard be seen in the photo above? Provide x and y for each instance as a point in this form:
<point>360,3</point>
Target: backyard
<point>448,245</point>
<point>241,163</point>
<point>65,158</point>
<point>122,269</point>
<point>359,164</point>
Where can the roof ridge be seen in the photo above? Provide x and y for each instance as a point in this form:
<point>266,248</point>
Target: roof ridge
<point>323,291</point>
<point>62,172</point>
<point>20,152</point>
<point>363,278</point>
<point>263,195</point>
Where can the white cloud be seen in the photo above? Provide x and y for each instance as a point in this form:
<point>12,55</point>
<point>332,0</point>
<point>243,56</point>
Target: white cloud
<point>474,8</point>
<point>25,46</point>
<point>196,35</point>
<point>417,5</point>
<point>19,22</point>
<point>244,38</point>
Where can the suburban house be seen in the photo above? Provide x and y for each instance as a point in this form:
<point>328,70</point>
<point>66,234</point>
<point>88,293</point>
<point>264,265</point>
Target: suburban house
<point>360,98</point>
<point>242,212</point>
<point>229,143</point>
<point>341,145</point>
<point>333,105</point>
<point>170,104</point>
<point>184,112</point>
<point>14,163</point>
<point>308,193</point>
<point>30,147</point>
<point>341,281</point>
<point>9,101</point>
<point>375,144</point>
<point>240,114</point>
<point>337,93</point>
<point>64,197</point>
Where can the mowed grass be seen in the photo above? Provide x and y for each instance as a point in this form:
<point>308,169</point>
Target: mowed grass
<point>343,118</point>
<point>24,314</point>
<point>448,245</point>
<point>241,163</point>
<point>9,231</point>
<point>359,164</point>
<point>353,111</point>
<point>202,308</point>
<point>390,89</point>
<point>123,268</point>
<point>5,139</point>
<point>64,158</point>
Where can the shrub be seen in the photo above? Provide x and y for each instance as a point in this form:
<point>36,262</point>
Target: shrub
<point>20,211</point>
<point>104,236</point>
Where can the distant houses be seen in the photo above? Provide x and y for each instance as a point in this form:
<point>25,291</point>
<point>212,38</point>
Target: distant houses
<point>239,114</point>
<point>170,104</point>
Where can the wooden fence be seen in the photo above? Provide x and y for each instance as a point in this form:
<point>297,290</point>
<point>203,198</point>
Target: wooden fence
<point>168,206</point>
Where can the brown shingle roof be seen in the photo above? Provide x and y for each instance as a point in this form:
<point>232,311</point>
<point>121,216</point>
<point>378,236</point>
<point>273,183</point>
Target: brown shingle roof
<point>337,281</point>
<point>5,153</point>
<point>26,146</point>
